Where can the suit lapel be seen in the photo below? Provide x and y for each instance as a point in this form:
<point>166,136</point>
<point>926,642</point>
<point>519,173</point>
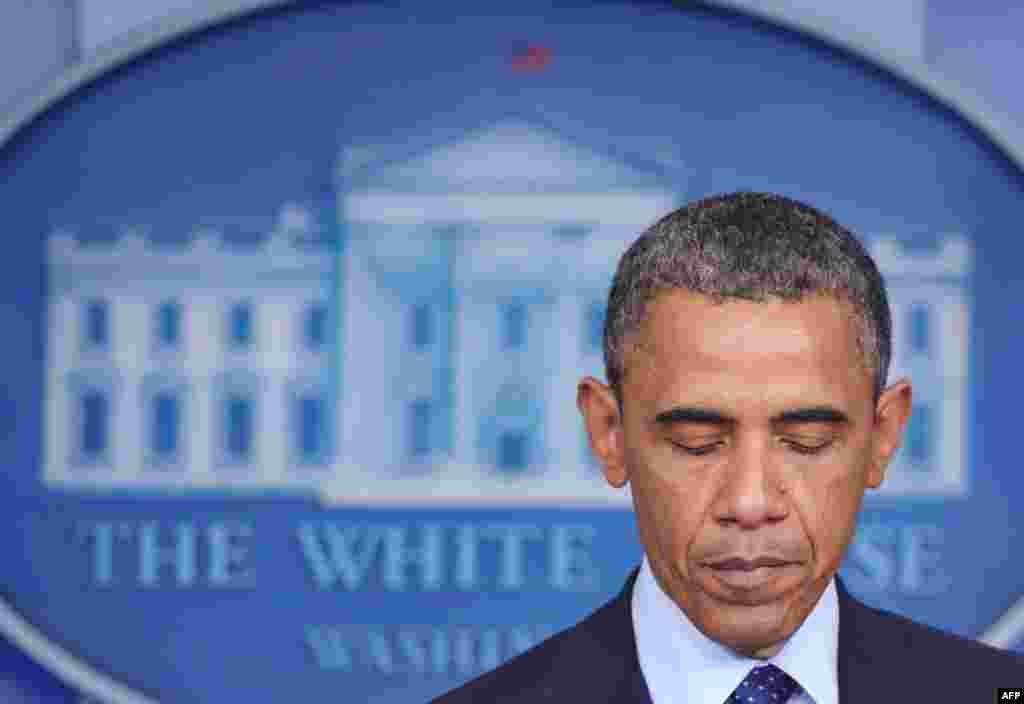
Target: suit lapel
<point>631,688</point>
<point>864,669</point>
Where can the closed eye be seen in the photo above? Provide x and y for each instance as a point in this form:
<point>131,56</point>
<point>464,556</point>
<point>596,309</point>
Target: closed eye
<point>808,449</point>
<point>797,447</point>
<point>697,451</point>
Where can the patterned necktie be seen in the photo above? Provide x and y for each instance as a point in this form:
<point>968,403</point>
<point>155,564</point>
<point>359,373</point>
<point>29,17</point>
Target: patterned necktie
<point>766,684</point>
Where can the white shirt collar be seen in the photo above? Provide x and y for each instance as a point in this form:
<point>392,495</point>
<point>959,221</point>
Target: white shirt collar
<point>683,666</point>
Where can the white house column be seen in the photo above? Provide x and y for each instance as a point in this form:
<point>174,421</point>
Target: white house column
<point>130,342</point>
<point>562,418</point>
<point>203,335</point>
<point>277,352</point>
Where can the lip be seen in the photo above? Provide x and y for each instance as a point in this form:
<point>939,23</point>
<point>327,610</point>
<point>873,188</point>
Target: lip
<point>741,564</point>
<point>749,574</point>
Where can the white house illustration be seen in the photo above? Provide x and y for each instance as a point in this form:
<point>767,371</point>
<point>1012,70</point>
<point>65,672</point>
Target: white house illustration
<point>928,295</point>
<point>472,293</point>
<point>429,358</point>
<point>187,367</point>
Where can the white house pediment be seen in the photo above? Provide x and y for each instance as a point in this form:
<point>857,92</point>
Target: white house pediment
<point>511,157</point>
<point>510,173</point>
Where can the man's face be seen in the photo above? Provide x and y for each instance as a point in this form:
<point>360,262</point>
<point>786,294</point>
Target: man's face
<point>748,432</point>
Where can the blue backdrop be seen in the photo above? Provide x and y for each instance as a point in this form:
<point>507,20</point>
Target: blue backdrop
<point>288,394</point>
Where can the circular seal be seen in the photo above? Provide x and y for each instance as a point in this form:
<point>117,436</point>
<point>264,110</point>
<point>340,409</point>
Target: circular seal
<point>297,299</point>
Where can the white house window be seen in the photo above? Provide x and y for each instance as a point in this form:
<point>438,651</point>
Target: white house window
<point>94,426</point>
<point>96,324</point>
<point>310,428</point>
<point>513,448</point>
<point>422,326</point>
<point>240,325</point>
<point>165,432</point>
<point>237,408</point>
<point>511,429</point>
<point>421,414</point>
<point>168,324</point>
<point>91,417</point>
<point>164,420</point>
<point>238,427</point>
<point>572,231</point>
<point>920,434</point>
<point>594,326</point>
<point>513,325</point>
<point>920,328</point>
<point>315,326</point>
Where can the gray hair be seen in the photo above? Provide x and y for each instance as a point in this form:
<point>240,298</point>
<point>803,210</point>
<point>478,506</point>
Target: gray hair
<point>753,246</point>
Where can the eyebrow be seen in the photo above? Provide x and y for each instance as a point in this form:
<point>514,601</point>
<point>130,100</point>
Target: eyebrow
<point>706,416</point>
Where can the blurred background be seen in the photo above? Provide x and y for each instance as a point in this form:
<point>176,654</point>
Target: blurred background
<point>976,44</point>
<point>975,48</point>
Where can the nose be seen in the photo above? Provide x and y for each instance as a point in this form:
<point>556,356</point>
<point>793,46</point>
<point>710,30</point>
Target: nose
<point>751,493</point>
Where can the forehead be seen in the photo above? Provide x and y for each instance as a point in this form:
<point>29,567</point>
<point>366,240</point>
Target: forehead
<point>762,354</point>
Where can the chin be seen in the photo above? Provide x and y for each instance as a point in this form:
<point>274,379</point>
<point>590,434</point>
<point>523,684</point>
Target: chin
<point>757,624</point>
<point>753,638</point>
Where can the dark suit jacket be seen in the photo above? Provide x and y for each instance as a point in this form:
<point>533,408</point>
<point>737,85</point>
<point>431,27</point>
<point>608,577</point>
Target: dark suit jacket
<point>882,658</point>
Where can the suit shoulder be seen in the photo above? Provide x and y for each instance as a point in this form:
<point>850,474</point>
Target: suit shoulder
<point>550,670</point>
<point>931,646</point>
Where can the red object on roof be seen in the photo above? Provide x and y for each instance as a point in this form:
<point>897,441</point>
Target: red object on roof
<point>531,57</point>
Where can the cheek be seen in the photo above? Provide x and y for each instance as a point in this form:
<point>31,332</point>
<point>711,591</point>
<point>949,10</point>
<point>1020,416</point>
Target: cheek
<point>669,507</point>
<point>830,505</point>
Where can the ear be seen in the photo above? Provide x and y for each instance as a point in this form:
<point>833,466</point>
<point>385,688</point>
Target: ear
<point>603,421</point>
<point>891,416</point>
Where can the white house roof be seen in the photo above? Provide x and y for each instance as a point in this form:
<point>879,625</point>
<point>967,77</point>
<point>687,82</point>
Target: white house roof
<point>512,157</point>
<point>510,173</point>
